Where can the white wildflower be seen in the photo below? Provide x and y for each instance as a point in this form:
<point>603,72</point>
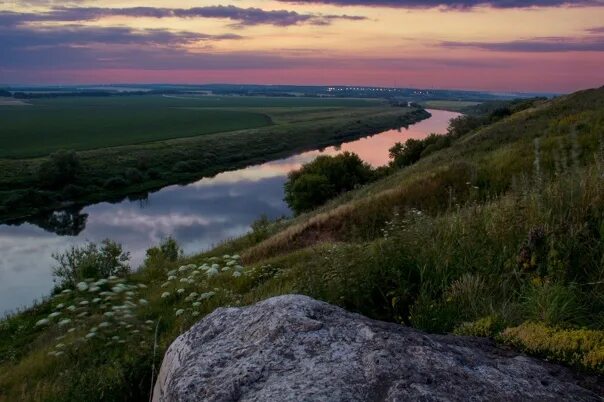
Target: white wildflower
<point>43,321</point>
<point>165,294</point>
<point>82,286</point>
<point>64,322</point>
<point>179,312</point>
<point>143,302</point>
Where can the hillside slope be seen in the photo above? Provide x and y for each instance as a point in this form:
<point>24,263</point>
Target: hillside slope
<point>499,235</point>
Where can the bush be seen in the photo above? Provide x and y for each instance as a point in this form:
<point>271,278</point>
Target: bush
<point>554,304</point>
<point>133,175</point>
<point>90,261</point>
<point>325,178</point>
<point>578,347</point>
<point>61,168</point>
<point>115,182</point>
<point>168,250</point>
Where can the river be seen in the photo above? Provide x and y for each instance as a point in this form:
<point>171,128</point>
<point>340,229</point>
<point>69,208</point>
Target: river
<point>198,215</point>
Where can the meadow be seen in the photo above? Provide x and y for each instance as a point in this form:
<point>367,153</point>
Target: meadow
<point>129,145</point>
<point>84,123</point>
<point>498,235</point>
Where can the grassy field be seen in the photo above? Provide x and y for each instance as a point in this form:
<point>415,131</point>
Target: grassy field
<point>454,106</point>
<point>131,145</point>
<point>499,235</point>
<point>48,125</point>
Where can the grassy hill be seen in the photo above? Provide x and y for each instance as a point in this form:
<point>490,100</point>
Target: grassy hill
<point>498,235</point>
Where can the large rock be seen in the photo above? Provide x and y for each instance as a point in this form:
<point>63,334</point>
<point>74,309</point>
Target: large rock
<point>294,348</point>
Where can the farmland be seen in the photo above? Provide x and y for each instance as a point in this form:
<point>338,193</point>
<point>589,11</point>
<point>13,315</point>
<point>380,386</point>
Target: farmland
<point>129,145</point>
<point>84,123</point>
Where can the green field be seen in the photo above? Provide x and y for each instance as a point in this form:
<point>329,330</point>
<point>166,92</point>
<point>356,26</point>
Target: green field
<point>455,106</point>
<point>85,123</point>
<point>136,144</point>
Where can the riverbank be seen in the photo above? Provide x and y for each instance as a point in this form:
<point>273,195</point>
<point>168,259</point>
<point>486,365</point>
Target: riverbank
<point>111,174</point>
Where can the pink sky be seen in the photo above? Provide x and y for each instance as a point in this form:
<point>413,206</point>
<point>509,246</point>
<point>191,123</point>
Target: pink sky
<point>538,45</point>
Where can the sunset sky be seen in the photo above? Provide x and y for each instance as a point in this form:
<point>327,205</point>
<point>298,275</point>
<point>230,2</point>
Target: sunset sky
<point>508,45</point>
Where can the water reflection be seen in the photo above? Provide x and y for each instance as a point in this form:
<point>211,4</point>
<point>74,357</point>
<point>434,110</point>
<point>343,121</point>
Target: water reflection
<point>198,215</point>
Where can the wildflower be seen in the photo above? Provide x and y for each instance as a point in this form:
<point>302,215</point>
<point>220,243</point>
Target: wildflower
<point>90,335</point>
<point>82,286</point>
<point>117,289</point>
<point>96,300</point>
<point>109,314</point>
<point>231,263</point>
<point>64,322</point>
<point>180,291</point>
<point>53,315</point>
<point>83,314</point>
<point>71,308</point>
<point>66,291</point>
<point>60,306</point>
<point>142,286</point>
<point>130,293</point>
<point>43,321</point>
<point>182,269</point>
<point>165,284</point>
<point>212,272</point>
<point>171,277</point>
<point>183,280</point>
<point>148,322</point>
<point>235,256</point>
<point>83,303</point>
<point>226,257</point>
<point>165,294</point>
<point>71,330</point>
<point>143,302</point>
<point>179,312</point>
<point>100,282</point>
<point>94,289</point>
<point>196,304</point>
<point>112,278</point>
<point>195,313</point>
<point>104,324</point>
<point>121,341</point>
<point>60,345</point>
<point>236,274</point>
<point>193,294</point>
<point>115,338</point>
<point>136,331</point>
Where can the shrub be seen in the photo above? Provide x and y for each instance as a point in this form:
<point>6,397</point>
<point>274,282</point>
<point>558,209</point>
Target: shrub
<point>61,168</point>
<point>324,178</point>
<point>168,250</point>
<point>133,175</point>
<point>578,347</point>
<point>90,261</point>
<point>115,182</point>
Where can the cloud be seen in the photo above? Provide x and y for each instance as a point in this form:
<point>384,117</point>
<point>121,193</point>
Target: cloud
<point>536,45</point>
<point>453,4</point>
<point>240,16</point>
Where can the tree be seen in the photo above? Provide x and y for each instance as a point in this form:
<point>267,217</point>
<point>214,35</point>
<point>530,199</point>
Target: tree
<point>324,178</point>
<point>407,153</point>
<point>61,168</point>
<point>90,261</point>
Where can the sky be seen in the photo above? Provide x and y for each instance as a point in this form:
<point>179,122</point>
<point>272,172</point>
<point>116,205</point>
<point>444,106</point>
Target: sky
<point>506,45</point>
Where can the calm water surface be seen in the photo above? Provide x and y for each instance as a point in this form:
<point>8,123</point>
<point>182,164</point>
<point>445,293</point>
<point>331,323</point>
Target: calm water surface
<point>197,215</point>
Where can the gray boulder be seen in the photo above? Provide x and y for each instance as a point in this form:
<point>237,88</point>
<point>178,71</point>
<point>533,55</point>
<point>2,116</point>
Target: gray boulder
<point>294,348</point>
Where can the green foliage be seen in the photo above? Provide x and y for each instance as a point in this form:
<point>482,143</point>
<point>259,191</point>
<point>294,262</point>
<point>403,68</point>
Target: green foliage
<point>167,251</point>
<point>579,347</point>
<point>486,327</point>
<point>90,261</point>
<point>61,168</point>
<point>324,178</point>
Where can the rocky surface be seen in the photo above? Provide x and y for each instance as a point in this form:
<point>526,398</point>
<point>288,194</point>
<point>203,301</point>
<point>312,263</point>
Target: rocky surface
<point>294,348</point>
